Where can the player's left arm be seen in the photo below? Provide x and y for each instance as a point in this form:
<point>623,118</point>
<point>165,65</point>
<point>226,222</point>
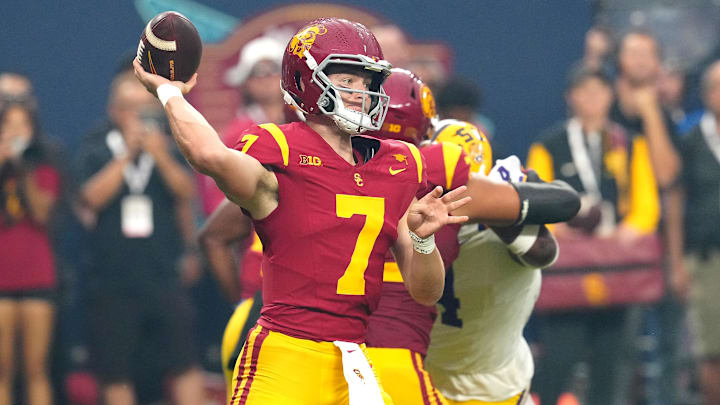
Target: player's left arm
<point>514,203</point>
<point>417,257</point>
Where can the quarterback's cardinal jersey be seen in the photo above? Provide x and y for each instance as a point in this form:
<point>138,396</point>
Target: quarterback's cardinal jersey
<point>399,321</point>
<point>324,245</point>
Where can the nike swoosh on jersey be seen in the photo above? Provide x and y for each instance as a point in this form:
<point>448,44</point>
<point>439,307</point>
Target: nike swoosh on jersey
<point>394,172</point>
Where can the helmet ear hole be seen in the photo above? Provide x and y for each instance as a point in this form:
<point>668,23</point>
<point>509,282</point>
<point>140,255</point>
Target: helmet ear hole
<point>377,80</point>
<point>298,83</point>
<point>412,93</point>
<point>330,102</point>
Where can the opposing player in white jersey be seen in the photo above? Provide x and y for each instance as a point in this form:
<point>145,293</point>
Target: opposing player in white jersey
<point>477,353</point>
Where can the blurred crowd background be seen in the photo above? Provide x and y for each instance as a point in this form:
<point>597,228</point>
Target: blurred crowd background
<point>619,98</point>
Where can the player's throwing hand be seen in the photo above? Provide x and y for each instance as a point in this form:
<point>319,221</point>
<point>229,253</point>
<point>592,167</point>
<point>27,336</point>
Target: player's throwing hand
<point>152,82</point>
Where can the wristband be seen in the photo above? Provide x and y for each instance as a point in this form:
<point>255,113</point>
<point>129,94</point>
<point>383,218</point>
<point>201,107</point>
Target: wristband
<point>423,245</point>
<point>167,91</point>
<point>525,240</point>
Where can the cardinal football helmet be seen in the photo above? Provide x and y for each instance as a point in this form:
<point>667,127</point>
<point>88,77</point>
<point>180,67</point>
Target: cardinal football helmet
<point>334,41</point>
<point>412,112</point>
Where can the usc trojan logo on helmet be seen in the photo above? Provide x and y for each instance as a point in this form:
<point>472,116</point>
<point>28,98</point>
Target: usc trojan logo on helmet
<point>428,102</point>
<point>305,39</point>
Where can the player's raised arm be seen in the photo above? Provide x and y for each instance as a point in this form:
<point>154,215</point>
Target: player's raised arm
<point>237,174</point>
<point>417,257</point>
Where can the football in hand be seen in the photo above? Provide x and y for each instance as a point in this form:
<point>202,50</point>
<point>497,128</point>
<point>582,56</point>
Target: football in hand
<point>170,46</point>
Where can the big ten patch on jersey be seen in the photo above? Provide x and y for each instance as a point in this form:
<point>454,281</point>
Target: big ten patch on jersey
<point>325,243</point>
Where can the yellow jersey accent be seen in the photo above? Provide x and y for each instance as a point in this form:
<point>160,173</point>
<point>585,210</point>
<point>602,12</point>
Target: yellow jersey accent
<point>394,172</point>
<point>418,159</point>
<point>249,140</point>
<point>451,156</point>
<point>277,133</point>
<point>256,245</point>
<point>391,273</point>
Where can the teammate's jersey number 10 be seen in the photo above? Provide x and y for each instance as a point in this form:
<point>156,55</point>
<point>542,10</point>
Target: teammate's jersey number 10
<point>352,281</point>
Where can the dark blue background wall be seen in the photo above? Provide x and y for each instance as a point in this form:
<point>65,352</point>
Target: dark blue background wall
<point>518,51</point>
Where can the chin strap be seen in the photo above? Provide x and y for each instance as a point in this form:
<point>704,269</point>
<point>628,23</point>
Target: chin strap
<point>347,120</point>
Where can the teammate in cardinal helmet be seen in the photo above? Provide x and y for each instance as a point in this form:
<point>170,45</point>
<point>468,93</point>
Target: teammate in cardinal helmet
<point>399,330</point>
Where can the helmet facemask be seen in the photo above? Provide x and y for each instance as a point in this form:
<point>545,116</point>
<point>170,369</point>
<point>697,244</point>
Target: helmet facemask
<point>374,100</point>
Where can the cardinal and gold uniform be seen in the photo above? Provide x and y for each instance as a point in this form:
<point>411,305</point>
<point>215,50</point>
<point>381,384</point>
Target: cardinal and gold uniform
<point>399,330</point>
<point>249,275</point>
<point>324,248</point>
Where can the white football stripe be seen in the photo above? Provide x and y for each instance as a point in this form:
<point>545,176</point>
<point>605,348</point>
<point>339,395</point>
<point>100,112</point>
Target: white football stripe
<point>158,43</point>
<point>141,48</point>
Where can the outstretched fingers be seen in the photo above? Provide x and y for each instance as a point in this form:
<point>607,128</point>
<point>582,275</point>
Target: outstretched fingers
<point>454,194</point>
<point>434,193</point>
<point>453,205</point>
<point>457,219</point>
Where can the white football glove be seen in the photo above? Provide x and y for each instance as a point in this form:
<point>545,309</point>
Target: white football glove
<point>508,169</point>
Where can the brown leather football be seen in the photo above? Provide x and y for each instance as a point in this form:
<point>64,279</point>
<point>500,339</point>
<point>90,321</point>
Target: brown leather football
<point>170,46</point>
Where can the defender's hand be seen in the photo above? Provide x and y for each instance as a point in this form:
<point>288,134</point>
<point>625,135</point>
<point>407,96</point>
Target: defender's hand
<point>152,82</point>
<point>508,169</point>
<point>432,212</point>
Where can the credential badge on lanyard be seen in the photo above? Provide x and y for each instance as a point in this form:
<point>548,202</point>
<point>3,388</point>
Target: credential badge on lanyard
<point>136,208</point>
<point>589,175</point>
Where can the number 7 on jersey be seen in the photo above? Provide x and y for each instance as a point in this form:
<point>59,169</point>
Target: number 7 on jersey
<point>352,281</point>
